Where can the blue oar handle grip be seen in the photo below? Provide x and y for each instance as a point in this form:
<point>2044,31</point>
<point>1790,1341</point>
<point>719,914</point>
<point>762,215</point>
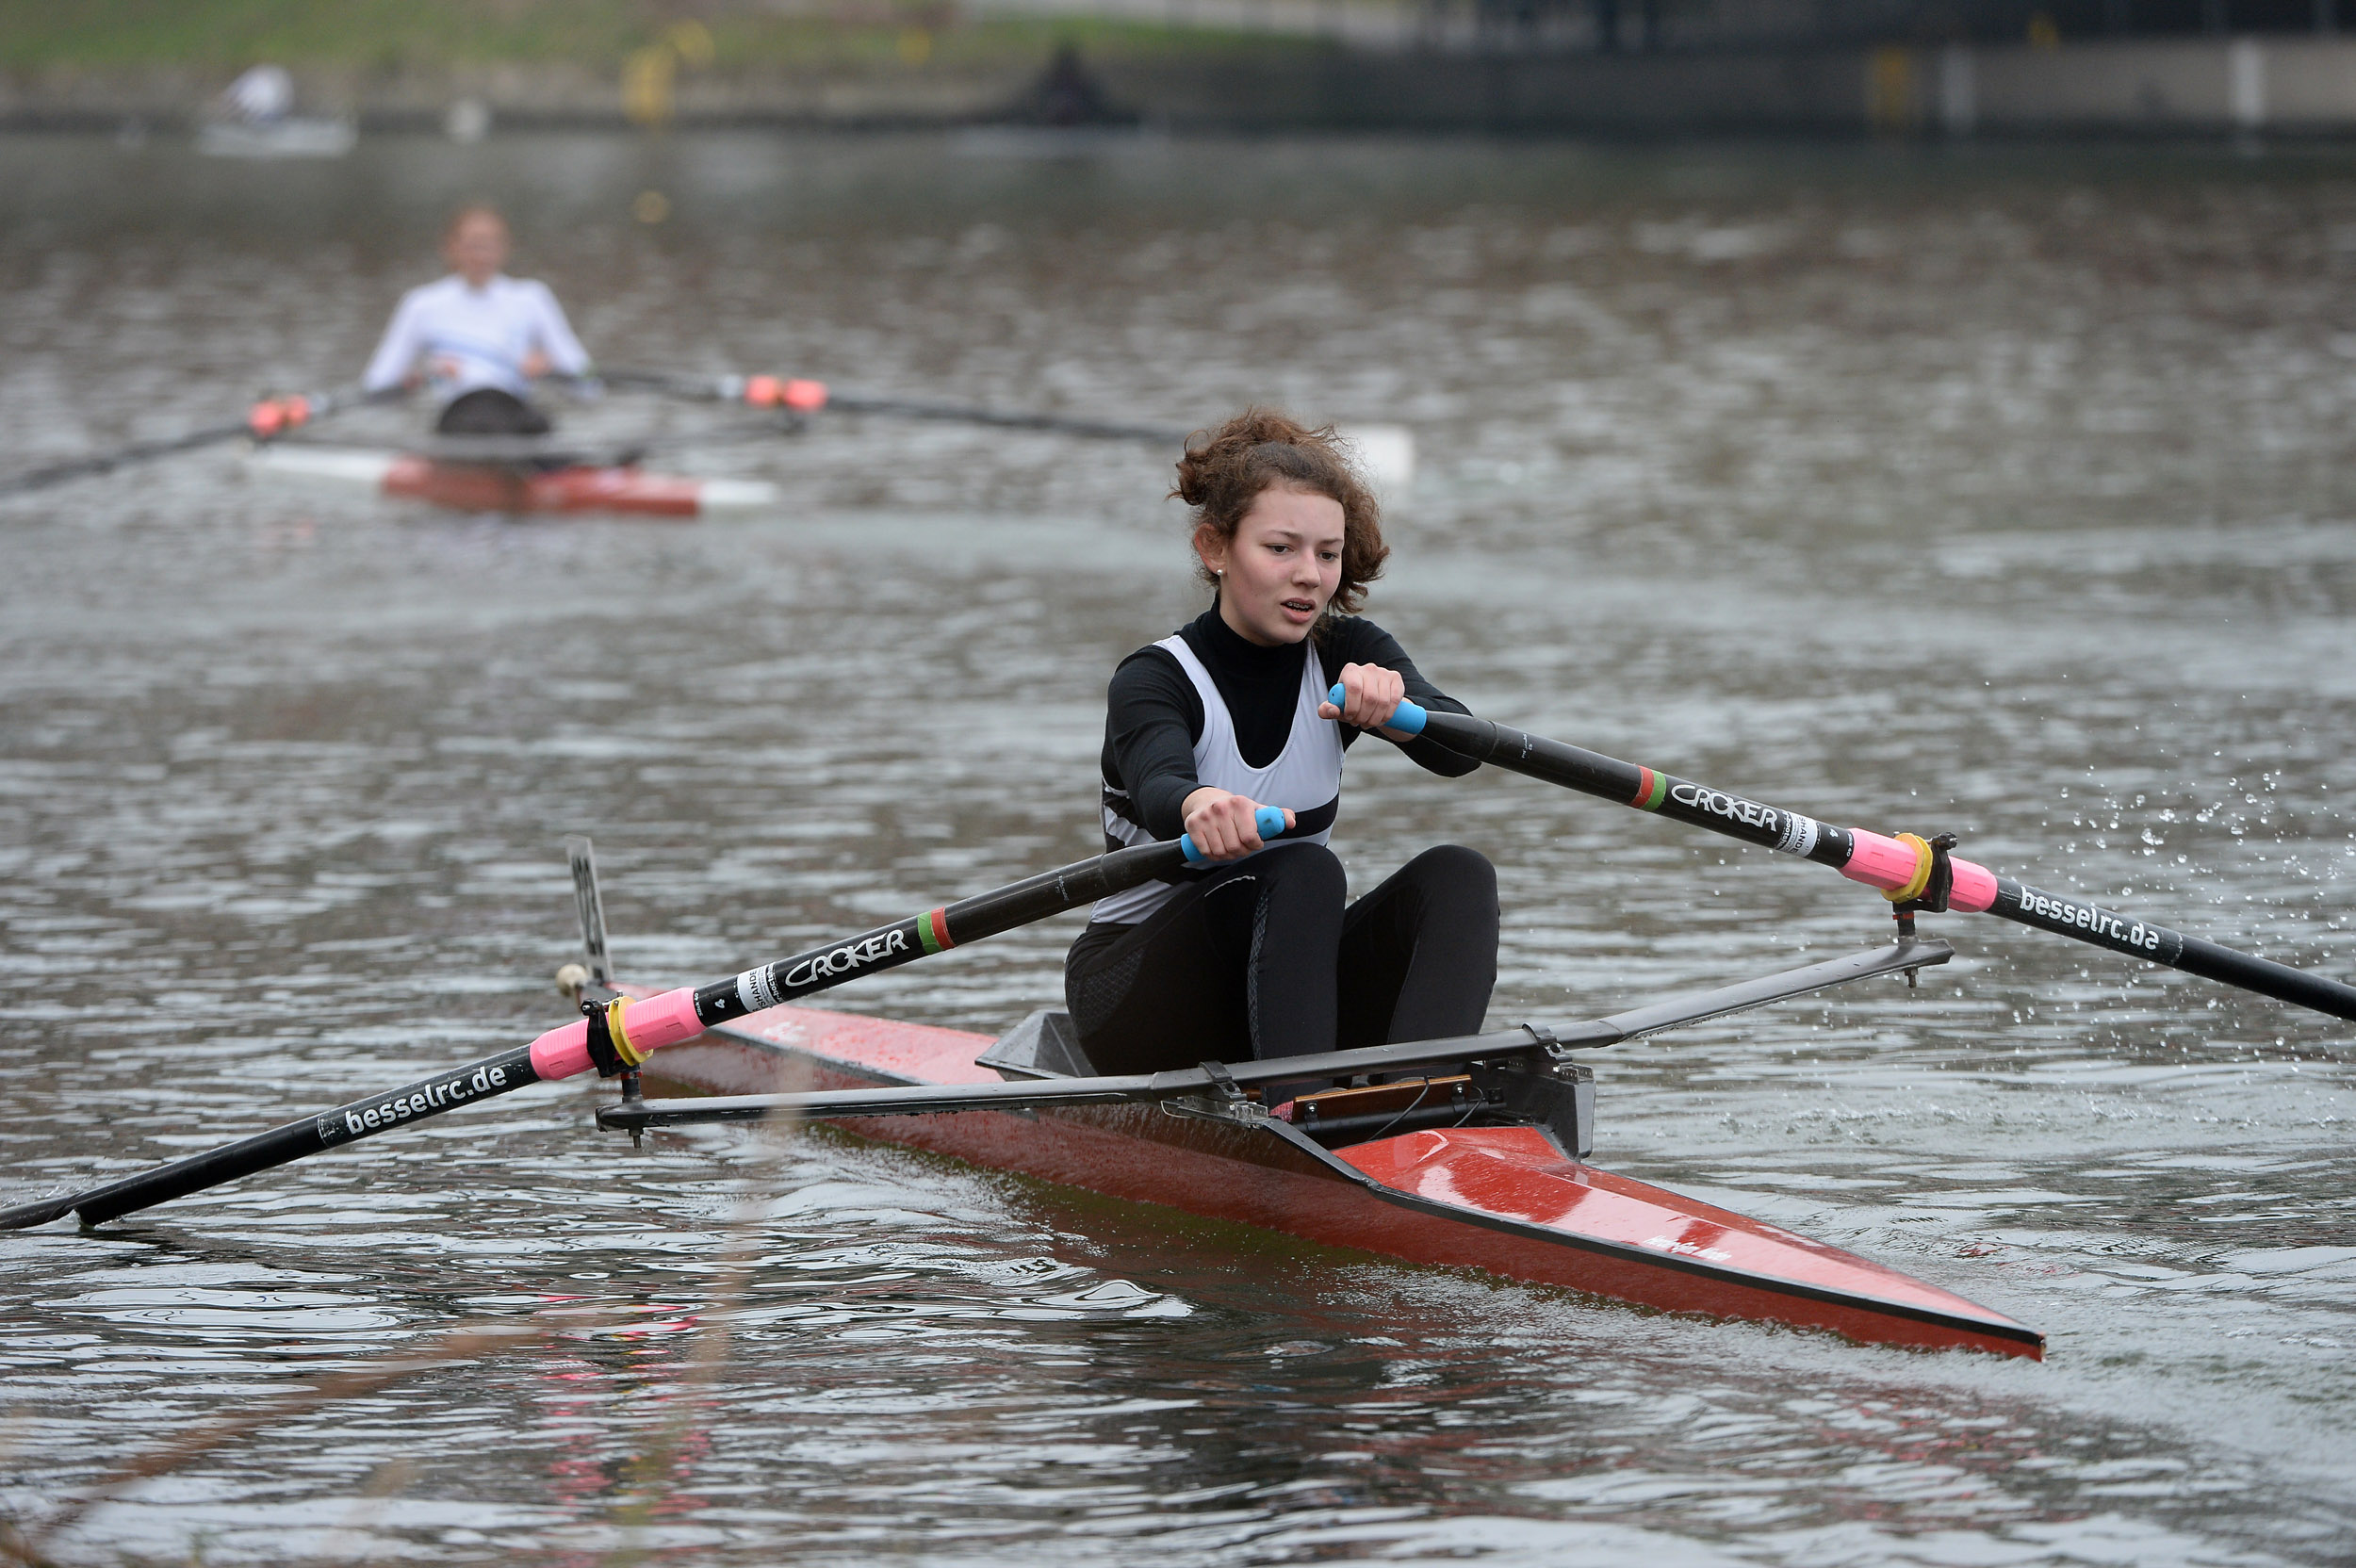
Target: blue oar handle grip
<point>1406,718</point>
<point>1269,820</point>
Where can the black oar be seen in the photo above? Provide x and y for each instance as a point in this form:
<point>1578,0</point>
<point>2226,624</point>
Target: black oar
<point>267,420</point>
<point>1912,872</point>
<point>617,1036</point>
<point>1225,1082</point>
<point>801,396</point>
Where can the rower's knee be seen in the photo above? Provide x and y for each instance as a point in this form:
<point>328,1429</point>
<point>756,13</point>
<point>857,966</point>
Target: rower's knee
<point>1305,870</point>
<point>1458,879</point>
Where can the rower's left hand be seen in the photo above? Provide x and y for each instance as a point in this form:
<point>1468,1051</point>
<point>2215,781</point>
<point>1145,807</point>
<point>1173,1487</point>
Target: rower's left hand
<point>535,366</point>
<point>1371,695</point>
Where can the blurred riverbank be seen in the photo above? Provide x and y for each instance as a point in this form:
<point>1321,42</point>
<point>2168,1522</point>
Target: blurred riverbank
<point>1186,65</point>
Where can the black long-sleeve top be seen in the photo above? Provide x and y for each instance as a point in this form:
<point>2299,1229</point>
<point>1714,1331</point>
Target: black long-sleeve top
<point>1154,715</point>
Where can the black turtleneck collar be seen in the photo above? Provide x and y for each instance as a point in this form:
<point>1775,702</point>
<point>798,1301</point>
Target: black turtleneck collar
<point>1261,685</point>
<point>1215,643</point>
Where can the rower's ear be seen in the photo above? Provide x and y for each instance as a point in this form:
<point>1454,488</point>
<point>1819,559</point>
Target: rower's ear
<point>1210,546</point>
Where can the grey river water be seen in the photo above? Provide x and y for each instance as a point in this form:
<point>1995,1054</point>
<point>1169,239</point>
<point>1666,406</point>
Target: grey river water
<point>2009,492</point>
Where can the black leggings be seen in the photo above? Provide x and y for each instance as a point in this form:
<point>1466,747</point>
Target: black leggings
<point>1259,959</point>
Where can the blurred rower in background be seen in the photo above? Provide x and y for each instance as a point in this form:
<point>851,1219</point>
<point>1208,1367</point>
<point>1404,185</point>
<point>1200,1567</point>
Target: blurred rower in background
<point>262,96</point>
<point>477,337</point>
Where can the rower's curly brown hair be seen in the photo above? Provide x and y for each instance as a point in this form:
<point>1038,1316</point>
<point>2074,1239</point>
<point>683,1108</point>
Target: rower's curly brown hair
<point>1225,469</point>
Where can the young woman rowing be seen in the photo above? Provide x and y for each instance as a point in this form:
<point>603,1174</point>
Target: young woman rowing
<point>479,337</point>
<point>1259,954</point>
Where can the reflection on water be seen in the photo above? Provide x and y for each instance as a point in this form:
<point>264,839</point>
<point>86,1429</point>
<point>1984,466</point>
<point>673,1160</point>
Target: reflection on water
<point>2002,493</point>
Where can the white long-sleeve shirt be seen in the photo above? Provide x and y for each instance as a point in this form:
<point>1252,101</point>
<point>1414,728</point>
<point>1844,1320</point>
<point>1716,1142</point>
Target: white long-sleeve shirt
<point>475,337</point>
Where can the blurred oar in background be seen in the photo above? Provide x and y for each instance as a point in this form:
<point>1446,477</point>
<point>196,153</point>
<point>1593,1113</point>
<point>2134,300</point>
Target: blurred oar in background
<point>266,421</point>
<point>1386,452</point>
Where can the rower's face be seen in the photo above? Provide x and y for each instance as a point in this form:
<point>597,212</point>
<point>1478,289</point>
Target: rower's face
<point>476,248</point>
<point>1281,568</point>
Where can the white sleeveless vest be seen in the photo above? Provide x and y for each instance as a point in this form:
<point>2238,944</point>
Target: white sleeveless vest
<point>1305,776</point>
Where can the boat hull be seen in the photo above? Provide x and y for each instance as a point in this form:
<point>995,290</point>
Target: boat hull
<point>1506,1200</point>
<point>518,491</point>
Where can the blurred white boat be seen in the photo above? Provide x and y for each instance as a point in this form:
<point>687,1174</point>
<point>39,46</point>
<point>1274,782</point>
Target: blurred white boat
<point>254,119</point>
<point>279,138</point>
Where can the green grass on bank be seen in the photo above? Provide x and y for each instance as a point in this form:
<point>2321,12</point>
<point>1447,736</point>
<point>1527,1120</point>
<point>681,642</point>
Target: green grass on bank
<point>393,37</point>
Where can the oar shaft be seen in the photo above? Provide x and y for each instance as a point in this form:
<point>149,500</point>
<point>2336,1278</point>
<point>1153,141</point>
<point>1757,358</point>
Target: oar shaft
<point>970,919</point>
<point>634,1029</point>
<point>801,396</point>
<point>912,408</point>
<point>1874,858</point>
<point>679,1015</point>
<point>1608,778</point>
<point>378,1113</point>
<point>2193,955</point>
<point>102,462</point>
<point>269,418</point>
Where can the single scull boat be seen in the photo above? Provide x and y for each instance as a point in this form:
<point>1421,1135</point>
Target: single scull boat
<point>522,478</point>
<point>1474,1158</point>
<point>1468,1151</point>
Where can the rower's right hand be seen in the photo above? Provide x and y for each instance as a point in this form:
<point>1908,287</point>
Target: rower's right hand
<point>1221,824</point>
